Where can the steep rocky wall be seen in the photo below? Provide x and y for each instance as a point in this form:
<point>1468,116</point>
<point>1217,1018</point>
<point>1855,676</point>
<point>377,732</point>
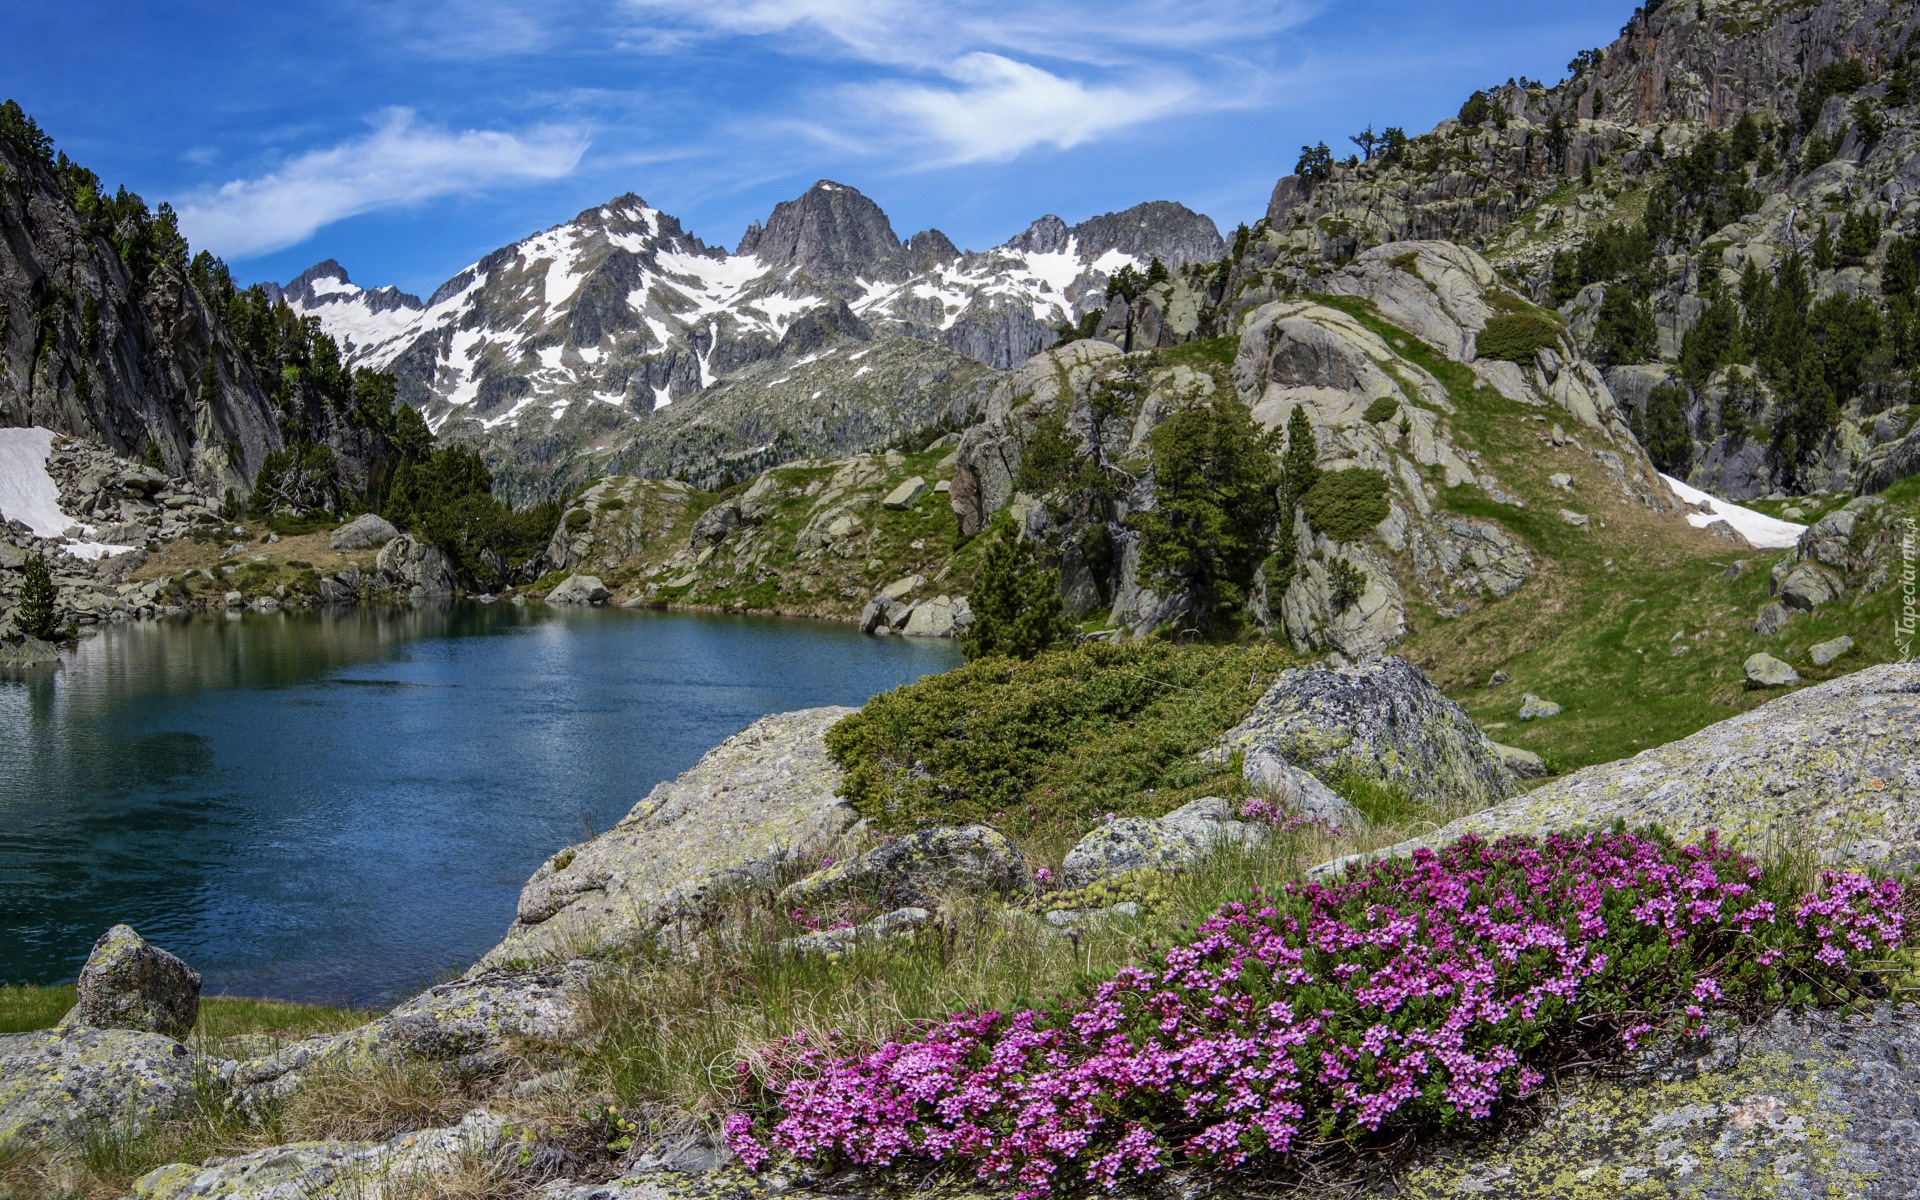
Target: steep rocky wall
<point>85,352</point>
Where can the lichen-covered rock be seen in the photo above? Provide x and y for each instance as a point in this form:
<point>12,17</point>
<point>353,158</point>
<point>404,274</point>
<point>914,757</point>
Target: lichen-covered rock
<point>362,532</point>
<point>128,984</point>
<point>1772,619</point>
<point>429,1162</point>
<point>1183,837</point>
<point>59,1083</point>
<point>755,803</point>
<point>1533,708</point>
<point>1835,766</point>
<point>1806,587</point>
<point>920,869</point>
<point>1383,721</point>
<point>1768,671</point>
<point>1804,1106</point>
<point>579,589</point>
<point>469,1021</point>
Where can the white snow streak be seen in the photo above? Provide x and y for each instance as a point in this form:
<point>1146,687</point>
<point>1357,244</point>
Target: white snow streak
<point>1766,533</point>
<point>29,495</point>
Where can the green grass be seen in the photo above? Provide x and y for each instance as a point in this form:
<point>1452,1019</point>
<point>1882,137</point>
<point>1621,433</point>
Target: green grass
<point>1202,355</point>
<point>23,1009</point>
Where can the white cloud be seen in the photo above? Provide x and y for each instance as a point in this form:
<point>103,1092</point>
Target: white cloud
<point>400,163</point>
<point>961,80</point>
<point>998,108</point>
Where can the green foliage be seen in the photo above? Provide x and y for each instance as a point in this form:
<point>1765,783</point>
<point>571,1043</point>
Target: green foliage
<point>1382,408</point>
<point>578,520</point>
<point>1016,606</point>
<point>1823,254</point>
<point>1516,337</point>
<point>1346,504</point>
<point>1859,236</point>
<point>296,481</point>
<point>1346,583</point>
<point>1624,331</point>
<point>1214,508</point>
<point>1835,79</point>
<point>1743,143</point>
<point>1315,162</point>
<point>36,617</point>
<point>1662,429</point>
<point>1611,252</point>
<point>1715,339</point>
<point>1475,112</point>
<point>448,501</point>
<point>1059,741</point>
<point>150,456</point>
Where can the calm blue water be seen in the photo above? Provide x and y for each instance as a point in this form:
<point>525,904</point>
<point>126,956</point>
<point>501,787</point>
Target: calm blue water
<point>339,808</point>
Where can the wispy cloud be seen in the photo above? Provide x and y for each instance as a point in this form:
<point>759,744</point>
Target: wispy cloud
<point>960,81</point>
<point>400,163</point>
<point>993,109</point>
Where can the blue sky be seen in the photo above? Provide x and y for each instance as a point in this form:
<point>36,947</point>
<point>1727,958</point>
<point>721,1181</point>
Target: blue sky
<point>408,139</point>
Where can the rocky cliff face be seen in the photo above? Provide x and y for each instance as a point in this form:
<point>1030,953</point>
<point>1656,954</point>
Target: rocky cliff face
<point>1541,170</point>
<point>86,351</point>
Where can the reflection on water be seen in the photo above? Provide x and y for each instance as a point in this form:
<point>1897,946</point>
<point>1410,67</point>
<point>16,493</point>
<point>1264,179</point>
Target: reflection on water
<point>338,806</point>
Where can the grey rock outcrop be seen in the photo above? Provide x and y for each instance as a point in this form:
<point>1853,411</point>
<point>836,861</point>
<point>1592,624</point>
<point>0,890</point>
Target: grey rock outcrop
<point>1806,587</point>
<point>1533,708</point>
<point>751,806</point>
<point>1524,764</point>
<point>1835,766</point>
<point>830,942</point>
<point>920,869</point>
<point>471,1022</point>
<point>129,984</point>
<point>579,589</point>
<point>1385,722</point>
<point>1817,1103</point>
<point>58,1084</point>
<point>1772,619</point>
<point>1183,837</point>
<point>421,569</point>
<point>1296,791</point>
<point>363,532</point>
<point>427,1162</point>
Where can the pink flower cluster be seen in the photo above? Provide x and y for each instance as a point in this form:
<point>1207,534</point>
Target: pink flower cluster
<point>1414,991</point>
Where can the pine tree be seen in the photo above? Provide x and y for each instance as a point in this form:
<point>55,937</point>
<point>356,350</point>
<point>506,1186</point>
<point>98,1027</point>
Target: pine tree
<point>1016,606</point>
<point>1214,507</point>
<point>36,616</point>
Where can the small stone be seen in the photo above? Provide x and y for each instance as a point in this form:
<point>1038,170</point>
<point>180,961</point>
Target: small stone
<point>1496,679</point>
<point>1826,652</point>
<point>579,589</point>
<point>128,984</point>
<point>1533,707</point>
<point>1561,480</point>
<point>235,600</point>
<point>903,497</point>
<point>1768,671</point>
<point>900,589</point>
<point>1577,520</point>
<point>1525,764</point>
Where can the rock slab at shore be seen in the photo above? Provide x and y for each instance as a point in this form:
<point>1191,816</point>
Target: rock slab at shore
<point>753,804</point>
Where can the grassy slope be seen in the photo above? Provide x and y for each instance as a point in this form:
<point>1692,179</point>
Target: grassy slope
<point>1595,630</point>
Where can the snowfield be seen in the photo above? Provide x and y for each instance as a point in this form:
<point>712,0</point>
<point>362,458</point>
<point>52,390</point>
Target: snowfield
<point>1766,533</point>
<point>28,494</point>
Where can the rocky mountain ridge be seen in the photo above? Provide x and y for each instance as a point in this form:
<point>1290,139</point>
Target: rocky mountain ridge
<point>574,336</point>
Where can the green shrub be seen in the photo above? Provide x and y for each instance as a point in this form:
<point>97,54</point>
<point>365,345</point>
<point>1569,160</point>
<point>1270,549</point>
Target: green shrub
<point>613,504</point>
<point>1381,409</point>
<point>578,520</point>
<point>1516,336</point>
<point>1346,505</point>
<point>36,617</point>
<point>1062,740</point>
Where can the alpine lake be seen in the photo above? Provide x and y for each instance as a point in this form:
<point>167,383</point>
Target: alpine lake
<point>341,806</point>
